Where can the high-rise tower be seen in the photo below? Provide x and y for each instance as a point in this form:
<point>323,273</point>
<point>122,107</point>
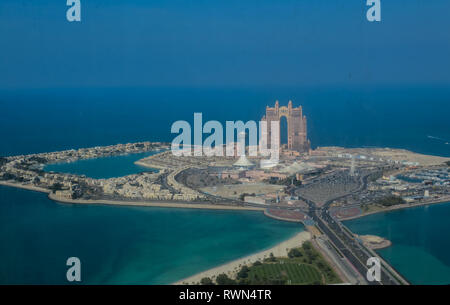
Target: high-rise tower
<point>297,126</point>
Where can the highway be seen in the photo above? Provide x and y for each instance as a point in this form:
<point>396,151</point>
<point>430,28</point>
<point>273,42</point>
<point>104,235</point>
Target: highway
<point>341,237</point>
<point>355,252</point>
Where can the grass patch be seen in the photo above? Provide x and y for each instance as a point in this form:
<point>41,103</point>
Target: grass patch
<point>303,266</point>
<point>285,272</point>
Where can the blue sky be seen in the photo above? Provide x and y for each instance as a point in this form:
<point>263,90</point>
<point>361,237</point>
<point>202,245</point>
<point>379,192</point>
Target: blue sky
<point>223,43</point>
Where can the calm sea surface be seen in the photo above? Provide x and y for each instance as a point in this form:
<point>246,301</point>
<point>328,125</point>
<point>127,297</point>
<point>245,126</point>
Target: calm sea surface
<point>103,168</point>
<point>123,245</point>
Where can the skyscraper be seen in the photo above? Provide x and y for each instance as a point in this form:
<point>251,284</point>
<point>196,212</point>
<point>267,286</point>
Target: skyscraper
<point>297,125</point>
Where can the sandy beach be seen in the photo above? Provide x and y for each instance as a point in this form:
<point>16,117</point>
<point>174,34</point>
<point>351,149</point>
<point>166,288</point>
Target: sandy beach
<point>374,242</point>
<point>231,268</point>
<point>25,187</point>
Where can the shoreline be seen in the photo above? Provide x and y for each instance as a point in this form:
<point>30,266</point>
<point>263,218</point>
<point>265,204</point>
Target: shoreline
<point>26,187</point>
<point>173,204</point>
<point>55,198</point>
<point>143,164</point>
<point>203,206</point>
<point>281,218</point>
<point>231,268</point>
<point>375,242</point>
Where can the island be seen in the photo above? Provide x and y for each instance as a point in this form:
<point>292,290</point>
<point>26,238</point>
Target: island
<point>318,188</point>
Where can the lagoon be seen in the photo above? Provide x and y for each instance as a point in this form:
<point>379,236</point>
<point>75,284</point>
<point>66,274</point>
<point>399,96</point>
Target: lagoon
<point>420,241</point>
<point>103,168</point>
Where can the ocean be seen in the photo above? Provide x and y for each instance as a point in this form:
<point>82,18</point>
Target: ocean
<point>156,245</point>
<point>41,120</point>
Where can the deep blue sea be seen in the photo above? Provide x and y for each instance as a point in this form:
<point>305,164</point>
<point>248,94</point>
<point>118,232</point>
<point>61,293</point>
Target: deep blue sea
<point>149,245</point>
<point>415,118</point>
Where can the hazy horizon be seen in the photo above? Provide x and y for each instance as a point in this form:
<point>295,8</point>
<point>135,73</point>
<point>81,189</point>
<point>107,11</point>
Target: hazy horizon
<point>227,44</point>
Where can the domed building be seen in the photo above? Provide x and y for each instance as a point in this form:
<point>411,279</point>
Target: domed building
<point>243,162</point>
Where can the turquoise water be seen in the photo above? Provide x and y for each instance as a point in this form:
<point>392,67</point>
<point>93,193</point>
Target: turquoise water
<point>103,168</point>
<point>420,241</point>
<point>123,245</point>
<point>57,119</point>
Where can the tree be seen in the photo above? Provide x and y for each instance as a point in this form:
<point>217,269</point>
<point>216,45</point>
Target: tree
<point>295,253</point>
<point>242,196</point>
<point>271,258</point>
<point>312,255</point>
<point>390,201</point>
<point>206,281</point>
<point>223,279</point>
<point>243,273</point>
<point>321,265</point>
<point>306,246</point>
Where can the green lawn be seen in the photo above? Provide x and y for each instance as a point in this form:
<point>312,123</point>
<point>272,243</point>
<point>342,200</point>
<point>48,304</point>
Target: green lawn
<point>303,266</point>
<point>294,273</point>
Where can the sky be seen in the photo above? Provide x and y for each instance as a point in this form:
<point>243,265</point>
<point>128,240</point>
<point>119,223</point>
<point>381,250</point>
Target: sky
<point>225,43</point>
